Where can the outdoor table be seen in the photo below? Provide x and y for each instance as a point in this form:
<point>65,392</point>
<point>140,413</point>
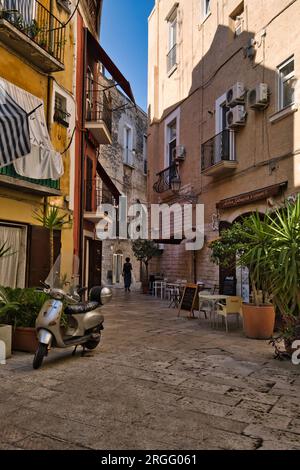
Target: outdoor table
<point>213,299</point>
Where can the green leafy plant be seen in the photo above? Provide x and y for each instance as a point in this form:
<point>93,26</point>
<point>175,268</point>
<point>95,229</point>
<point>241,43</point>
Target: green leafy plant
<point>144,251</point>
<point>52,220</point>
<point>20,307</point>
<point>33,29</point>
<point>270,248</point>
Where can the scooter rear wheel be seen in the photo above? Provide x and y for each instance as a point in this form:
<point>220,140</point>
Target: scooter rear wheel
<point>92,344</point>
<point>40,353</point>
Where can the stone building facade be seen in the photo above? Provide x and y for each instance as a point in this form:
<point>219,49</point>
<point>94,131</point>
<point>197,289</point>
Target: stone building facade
<point>223,109</point>
<point>125,161</point>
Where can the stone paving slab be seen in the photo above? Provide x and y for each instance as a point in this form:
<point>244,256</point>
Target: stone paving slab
<point>156,382</point>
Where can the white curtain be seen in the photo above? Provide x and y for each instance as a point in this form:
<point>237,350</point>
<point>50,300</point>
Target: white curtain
<point>9,265</point>
<point>43,162</point>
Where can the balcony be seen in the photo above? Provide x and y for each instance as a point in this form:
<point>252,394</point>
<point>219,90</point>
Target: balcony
<point>99,118</point>
<point>96,194</point>
<point>218,155</point>
<point>168,179</point>
<point>10,179</point>
<point>33,33</point>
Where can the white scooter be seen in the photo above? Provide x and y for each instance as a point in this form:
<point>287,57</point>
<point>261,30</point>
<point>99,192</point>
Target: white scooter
<point>83,320</point>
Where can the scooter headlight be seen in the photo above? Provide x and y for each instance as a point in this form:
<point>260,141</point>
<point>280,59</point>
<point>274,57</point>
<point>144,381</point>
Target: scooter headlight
<point>105,295</point>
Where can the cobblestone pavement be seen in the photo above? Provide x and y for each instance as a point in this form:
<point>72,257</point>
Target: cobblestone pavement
<point>156,382</point>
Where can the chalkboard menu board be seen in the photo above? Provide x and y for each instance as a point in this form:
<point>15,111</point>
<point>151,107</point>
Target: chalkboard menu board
<point>229,287</point>
<point>189,299</point>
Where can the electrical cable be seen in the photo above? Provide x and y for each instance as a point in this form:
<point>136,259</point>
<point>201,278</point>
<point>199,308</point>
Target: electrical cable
<point>65,24</point>
<point>70,143</point>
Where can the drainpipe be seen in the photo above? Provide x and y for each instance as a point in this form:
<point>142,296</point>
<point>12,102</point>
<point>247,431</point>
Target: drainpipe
<point>49,102</point>
<point>195,266</point>
<point>82,159</point>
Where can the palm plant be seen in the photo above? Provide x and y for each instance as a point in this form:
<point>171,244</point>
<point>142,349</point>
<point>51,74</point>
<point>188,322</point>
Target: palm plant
<point>51,220</point>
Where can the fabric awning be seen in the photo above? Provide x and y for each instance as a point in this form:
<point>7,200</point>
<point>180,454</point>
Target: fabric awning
<point>14,129</point>
<point>42,161</point>
<point>106,61</point>
<point>108,182</point>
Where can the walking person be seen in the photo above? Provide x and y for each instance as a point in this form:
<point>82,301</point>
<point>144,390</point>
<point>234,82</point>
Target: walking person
<point>127,268</point>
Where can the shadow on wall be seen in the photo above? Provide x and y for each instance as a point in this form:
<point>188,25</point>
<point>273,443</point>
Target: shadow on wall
<point>262,149</point>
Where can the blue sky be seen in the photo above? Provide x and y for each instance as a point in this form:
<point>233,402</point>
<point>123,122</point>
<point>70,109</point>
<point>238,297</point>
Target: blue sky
<point>124,36</point>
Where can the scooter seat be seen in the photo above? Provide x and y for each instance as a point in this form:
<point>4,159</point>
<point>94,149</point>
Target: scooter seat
<point>82,307</point>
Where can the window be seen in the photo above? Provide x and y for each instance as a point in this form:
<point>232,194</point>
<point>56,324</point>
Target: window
<point>172,136</point>
<point>89,185</point>
<point>286,88</point>
<point>172,140</point>
<point>128,146</point>
<point>206,8</point>
<point>61,114</point>
<point>172,53</point>
<point>237,20</point>
<point>89,94</point>
<point>65,4</point>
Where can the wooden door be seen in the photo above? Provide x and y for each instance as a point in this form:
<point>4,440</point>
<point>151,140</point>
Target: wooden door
<point>95,263</point>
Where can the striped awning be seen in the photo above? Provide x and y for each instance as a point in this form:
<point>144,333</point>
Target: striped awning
<point>41,160</point>
<point>14,130</point>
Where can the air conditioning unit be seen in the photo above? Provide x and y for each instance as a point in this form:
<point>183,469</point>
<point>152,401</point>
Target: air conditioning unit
<point>179,152</point>
<point>235,95</point>
<point>236,117</point>
<point>258,97</point>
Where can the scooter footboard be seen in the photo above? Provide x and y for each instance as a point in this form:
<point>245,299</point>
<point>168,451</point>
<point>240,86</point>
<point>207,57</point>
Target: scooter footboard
<point>44,337</point>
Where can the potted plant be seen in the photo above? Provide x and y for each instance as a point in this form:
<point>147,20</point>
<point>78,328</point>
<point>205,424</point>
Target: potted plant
<point>19,308</point>
<point>270,247</point>
<point>144,251</point>
<point>245,243</point>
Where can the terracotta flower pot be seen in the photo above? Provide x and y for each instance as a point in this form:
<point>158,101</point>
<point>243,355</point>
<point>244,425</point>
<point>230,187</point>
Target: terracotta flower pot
<point>258,321</point>
<point>24,339</point>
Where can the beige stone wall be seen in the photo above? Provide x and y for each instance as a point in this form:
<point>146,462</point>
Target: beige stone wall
<point>210,60</point>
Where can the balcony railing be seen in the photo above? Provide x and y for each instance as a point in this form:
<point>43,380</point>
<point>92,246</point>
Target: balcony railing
<point>37,23</point>
<point>97,194</point>
<point>167,178</point>
<point>172,58</point>
<point>100,110</point>
<point>218,149</point>
<point>62,117</point>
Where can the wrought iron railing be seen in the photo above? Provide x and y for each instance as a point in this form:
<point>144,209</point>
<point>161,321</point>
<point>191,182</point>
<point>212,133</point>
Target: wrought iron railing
<point>38,23</point>
<point>61,116</point>
<point>172,58</point>
<point>96,194</point>
<point>99,109</point>
<point>219,148</point>
<point>167,178</point>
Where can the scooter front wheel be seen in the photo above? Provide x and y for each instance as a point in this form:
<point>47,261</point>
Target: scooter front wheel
<point>40,353</point>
